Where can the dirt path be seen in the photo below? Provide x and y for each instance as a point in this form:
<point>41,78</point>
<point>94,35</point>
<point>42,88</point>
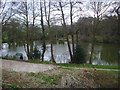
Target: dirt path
<point>25,67</point>
<point>19,66</point>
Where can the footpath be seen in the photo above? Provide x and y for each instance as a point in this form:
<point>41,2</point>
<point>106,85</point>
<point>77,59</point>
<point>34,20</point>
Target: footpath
<point>19,66</point>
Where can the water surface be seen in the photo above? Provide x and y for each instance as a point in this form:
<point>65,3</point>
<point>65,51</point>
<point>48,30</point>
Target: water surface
<point>104,54</point>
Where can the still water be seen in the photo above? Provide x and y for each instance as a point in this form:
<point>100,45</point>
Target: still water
<point>104,54</point>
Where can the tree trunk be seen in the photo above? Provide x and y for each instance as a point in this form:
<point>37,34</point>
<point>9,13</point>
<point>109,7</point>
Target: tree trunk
<point>43,50</point>
<point>72,32</point>
<point>69,48</point>
<point>52,55</point>
<point>28,52</point>
<point>51,45</point>
<point>66,32</point>
<point>93,40</point>
<point>91,55</point>
<point>43,33</point>
<point>77,38</point>
<point>31,50</point>
<point>73,46</point>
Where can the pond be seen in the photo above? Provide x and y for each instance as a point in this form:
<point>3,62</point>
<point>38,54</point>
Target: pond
<point>104,54</point>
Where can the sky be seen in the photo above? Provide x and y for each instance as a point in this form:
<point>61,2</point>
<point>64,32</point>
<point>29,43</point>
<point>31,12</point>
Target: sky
<point>86,11</point>
<point>59,0</point>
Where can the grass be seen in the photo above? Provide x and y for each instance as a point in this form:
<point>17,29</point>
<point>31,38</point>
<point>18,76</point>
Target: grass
<point>67,68</point>
<point>70,64</point>
<point>13,79</point>
<point>116,73</point>
<point>9,86</point>
<point>61,78</point>
<point>64,39</point>
<point>46,79</point>
<point>90,66</point>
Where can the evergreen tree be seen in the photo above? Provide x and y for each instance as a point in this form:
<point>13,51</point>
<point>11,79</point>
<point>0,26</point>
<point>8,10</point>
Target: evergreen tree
<point>79,55</point>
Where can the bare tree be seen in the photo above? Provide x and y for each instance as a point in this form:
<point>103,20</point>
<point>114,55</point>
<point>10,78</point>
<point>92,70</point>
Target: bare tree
<point>23,16</point>
<point>6,13</point>
<point>99,9</point>
<point>117,11</point>
<point>43,32</point>
<point>72,28</point>
<point>47,15</point>
<point>27,29</point>
<point>34,16</point>
<point>71,20</point>
<point>66,30</point>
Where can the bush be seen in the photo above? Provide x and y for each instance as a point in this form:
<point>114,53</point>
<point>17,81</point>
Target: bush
<point>36,53</point>
<point>79,55</point>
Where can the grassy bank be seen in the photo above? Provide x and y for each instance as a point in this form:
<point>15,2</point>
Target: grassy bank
<point>70,64</point>
<point>90,66</point>
<point>61,78</point>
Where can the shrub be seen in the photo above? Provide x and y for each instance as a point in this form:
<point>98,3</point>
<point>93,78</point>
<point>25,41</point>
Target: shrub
<point>79,55</point>
<point>36,53</point>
